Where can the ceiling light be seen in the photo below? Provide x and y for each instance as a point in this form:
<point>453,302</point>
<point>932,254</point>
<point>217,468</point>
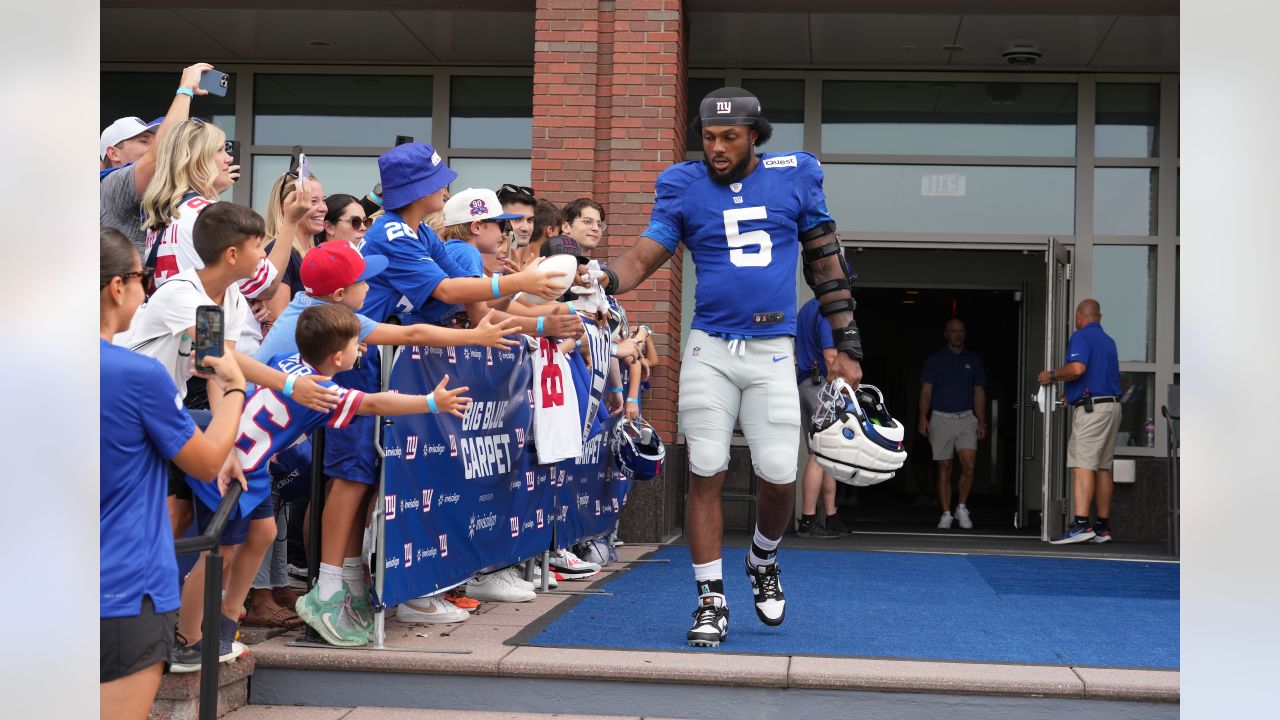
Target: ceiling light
<point>953,48</point>
<point>320,43</point>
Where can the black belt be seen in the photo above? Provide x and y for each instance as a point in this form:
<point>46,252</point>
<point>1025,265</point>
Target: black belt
<point>1096,401</point>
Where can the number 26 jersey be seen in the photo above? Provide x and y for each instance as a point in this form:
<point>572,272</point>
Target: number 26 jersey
<point>744,238</point>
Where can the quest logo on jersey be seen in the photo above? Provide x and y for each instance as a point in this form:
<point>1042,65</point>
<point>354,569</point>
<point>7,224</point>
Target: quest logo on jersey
<point>777,162</point>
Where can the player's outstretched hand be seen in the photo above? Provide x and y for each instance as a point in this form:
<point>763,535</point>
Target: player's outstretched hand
<point>308,392</point>
<point>226,372</point>
<point>847,368</point>
<point>231,469</point>
<point>491,335</point>
<point>450,401</point>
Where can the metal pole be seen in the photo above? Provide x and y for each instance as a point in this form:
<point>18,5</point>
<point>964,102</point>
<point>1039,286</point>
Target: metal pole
<point>378,568</point>
<point>212,632</point>
<point>316,508</point>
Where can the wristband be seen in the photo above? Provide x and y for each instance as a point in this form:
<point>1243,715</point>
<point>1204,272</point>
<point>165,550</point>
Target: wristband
<point>185,91</point>
<point>496,292</point>
<point>431,404</point>
<point>634,400</point>
<point>613,348</point>
<point>234,390</point>
<point>542,323</point>
<point>288,385</point>
<point>616,390</point>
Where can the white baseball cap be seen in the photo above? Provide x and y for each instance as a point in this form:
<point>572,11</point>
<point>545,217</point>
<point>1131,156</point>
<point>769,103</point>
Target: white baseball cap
<point>123,129</point>
<point>475,204</point>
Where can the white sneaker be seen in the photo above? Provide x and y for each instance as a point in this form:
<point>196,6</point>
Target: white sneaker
<point>962,515</point>
<point>516,575</point>
<point>552,583</point>
<point>571,567</point>
<point>944,523</point>
<point>431,610</point>
<point>498,587</point>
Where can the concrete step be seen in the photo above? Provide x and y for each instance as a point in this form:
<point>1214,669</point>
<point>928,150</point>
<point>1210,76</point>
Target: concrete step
<point>179,695</point>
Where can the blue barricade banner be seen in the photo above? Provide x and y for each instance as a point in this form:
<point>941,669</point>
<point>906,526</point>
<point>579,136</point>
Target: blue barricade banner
<point>590,492</point>
<point>462,495</point>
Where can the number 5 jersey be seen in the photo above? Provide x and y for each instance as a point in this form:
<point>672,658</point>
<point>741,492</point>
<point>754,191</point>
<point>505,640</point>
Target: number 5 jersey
<point>744,238</point>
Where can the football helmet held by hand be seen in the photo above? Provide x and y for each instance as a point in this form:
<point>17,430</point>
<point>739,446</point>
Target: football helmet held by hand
<point>637,449</point>
<point>853,436</point>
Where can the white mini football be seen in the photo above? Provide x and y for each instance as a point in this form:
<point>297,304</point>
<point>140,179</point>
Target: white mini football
<point>567,264</point>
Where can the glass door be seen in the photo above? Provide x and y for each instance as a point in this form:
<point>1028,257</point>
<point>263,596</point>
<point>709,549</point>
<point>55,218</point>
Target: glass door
<point>1057,316</point>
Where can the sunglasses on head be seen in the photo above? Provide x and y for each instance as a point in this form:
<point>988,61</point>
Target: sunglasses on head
<point>509,188</point>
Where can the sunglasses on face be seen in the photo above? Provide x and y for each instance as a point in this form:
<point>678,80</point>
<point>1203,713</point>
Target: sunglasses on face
<point>145,276</point>
<point>509,188</point>
<point>356,222</point>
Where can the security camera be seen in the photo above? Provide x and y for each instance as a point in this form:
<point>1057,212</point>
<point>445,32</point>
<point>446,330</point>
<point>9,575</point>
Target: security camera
<point>1021,54</point>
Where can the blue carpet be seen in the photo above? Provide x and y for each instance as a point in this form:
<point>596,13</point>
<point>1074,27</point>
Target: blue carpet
<point>1032,610</point>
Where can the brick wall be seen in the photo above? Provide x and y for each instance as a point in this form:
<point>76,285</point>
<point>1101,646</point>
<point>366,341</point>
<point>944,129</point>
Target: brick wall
<point>608,116</point>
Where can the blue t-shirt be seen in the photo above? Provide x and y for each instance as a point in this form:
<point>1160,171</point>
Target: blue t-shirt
<point>744,238</point>
<point>1092,346</point>
<point>953,377</point>
<point>416,264</point>
<point>813,335</point>
<point>142,425</point>
<point>282,340</point>
<point>271,423</point>
<point>467,258</point>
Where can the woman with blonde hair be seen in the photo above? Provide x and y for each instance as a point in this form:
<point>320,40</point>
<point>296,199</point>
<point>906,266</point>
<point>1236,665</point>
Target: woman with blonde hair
<point>295,218</point>
<point>192,169</point>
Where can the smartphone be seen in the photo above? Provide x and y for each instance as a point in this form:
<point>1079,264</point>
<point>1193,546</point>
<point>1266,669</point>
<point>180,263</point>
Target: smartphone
<point>403,139</point>
<point>233,149</point>
<point>295,158</point>
<point>215,82</point>
<point>304,167</point>
<point>209,339</point>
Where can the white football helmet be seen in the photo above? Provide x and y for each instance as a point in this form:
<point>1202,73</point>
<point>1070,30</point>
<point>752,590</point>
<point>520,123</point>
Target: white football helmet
<point>853,436</point>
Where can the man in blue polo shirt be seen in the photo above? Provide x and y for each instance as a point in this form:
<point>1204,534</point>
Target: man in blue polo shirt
<point>1092,388</point>
<point>953,387</point>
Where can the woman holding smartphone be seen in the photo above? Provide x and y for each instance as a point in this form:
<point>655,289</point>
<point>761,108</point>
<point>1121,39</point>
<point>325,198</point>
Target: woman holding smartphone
<point>143,424</point>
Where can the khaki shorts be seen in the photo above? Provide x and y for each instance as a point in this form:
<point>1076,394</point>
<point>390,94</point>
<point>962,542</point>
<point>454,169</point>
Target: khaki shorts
<point>949,432</point>
<point>1092,445</point>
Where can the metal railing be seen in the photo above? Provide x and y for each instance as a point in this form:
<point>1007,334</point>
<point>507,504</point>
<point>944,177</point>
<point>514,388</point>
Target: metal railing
<point>211,623</point>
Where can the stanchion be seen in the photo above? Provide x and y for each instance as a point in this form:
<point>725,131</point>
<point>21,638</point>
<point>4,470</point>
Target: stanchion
<point>315,507</point>
<point>212,632</point>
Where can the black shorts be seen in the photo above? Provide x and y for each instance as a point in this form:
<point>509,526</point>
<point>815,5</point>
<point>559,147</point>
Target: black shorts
<point>178,486</point>
<point>236,531</point>
<point>130,644</point>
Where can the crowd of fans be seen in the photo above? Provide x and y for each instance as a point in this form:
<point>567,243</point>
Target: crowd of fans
<point>306,293</point>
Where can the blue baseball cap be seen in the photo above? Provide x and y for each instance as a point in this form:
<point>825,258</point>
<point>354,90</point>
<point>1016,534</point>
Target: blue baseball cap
<point>411,171</point>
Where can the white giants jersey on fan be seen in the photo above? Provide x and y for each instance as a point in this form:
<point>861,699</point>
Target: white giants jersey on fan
<point>557,434</point>
<point>177,250</point>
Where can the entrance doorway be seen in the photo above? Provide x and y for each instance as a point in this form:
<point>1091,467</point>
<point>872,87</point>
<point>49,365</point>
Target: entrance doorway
<point>905,297</point>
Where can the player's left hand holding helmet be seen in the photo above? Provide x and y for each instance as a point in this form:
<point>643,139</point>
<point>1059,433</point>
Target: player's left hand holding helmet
<point>853,436</point>
<point>637,449</point>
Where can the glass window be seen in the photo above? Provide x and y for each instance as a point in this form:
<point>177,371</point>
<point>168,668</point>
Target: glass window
<point>340,110</point>
<point>351,175</point>
<point>782,102</point>
<point>949,118</point>
<point>1127,119</point>
<point>490,172</point>
<point>1124,282</point>
<point>1124,201</point>
<point>148,95</point>
<point>1137,410</point>
<point>491,112</point>
<point>952,198</point>
<point>696,89</point>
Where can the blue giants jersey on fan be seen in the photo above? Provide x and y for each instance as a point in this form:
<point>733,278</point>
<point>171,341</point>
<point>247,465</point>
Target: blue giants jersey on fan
<point>744,238</point>
<point>271,423</point>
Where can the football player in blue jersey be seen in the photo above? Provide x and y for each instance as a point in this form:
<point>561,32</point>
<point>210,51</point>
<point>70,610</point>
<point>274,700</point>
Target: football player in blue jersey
<point>747,217</point>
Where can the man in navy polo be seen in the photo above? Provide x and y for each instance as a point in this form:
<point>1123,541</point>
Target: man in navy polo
<point>953,387</point>
<point>1092,388</point>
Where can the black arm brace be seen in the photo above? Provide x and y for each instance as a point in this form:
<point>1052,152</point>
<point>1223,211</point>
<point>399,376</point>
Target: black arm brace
<point>848,340</point>
<point>612,287</point>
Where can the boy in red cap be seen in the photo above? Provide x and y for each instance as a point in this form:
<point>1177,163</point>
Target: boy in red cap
<point>335,273</point>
